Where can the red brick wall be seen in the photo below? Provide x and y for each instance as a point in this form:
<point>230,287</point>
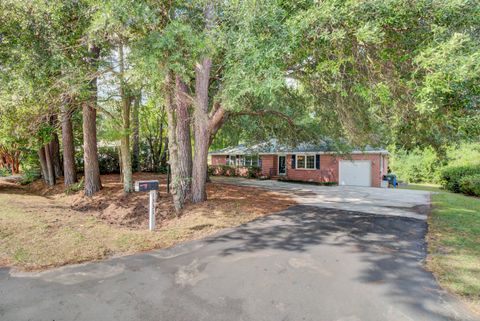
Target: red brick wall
<point>219,160</point>
<point>268,162</point>
<point>385,164</point>
<point>328,171</point>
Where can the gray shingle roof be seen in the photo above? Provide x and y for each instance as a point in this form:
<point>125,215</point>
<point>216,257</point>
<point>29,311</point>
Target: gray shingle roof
<point>273,147</point>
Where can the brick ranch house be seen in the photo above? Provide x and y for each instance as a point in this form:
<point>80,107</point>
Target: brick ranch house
<point>307,162</point>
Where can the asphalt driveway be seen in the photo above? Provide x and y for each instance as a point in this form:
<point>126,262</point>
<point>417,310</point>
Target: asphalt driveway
<point>310,262</point>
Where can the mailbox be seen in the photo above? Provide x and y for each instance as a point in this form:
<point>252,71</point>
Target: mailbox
<point>152,187</point>
<point>145,186</point>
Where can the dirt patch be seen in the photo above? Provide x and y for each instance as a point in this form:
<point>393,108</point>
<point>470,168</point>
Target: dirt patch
<point>42,227</point>
<point>114,206</point>
<point>10,185</point>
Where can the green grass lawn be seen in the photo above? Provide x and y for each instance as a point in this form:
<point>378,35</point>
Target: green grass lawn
<point>454,242</point>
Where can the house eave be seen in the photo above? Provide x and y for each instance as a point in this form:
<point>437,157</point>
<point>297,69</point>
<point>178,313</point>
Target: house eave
<point>355,152</point>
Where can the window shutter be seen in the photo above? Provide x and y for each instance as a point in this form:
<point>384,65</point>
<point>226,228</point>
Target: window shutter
<point>294,159</point>
<point>317,161</point>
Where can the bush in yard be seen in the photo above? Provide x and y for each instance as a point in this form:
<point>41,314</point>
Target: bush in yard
<point>229,171</point>
<point>470,185</point>
<point>254,172</point>
<point>221,170</point>
<point>30,175</point>
<point>450,176</point>
<point>108,160</point>
<point>464,154</point>
<point>74,188</point>
<point>211,170</point>
<point>226,170</point>
<point>415,166</point>
<point>4,172</point>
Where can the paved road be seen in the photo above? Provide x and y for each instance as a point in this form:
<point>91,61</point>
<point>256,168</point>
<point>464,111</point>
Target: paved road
<point>307,263</point>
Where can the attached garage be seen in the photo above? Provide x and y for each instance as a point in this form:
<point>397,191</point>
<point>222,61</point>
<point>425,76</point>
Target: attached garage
<point>355,172</point>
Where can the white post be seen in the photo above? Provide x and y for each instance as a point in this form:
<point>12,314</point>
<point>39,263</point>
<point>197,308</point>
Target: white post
<point>151,212</point>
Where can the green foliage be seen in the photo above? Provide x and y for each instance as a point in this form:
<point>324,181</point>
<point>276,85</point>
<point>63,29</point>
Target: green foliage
<point>405,72</point>
<point>470,185</point>
<point>229,171</point>
<point>211,170</point>
<point>226,170</point>
<point>153,135</point>
<point>29,176</point>
<point>425,165</point>
<point>464,154</point>
<point>5,172</point>
<point>30,162</point>
<point>108,160</point>
<point>416,166</point>
<point>254,172</point>
<point>74,188</point>
<point>452,175</point>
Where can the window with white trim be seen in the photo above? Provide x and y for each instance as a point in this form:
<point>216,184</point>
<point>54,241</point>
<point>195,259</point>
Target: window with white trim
<point>243,160</point>
<point>305,162</point>
<point>300,161</point>
<point>251,160</point>
<point>310,162</point>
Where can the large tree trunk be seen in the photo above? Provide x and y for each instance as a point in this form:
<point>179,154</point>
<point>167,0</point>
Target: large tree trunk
<point>126,156</point>
<point>55,149</point>
<point>69,169</point>
<point>202,121</point>
<point>43,163</point>
<point>49,162</point>
<point>202,134</point>
<point>178,134</point>
<point>126,161</point>
<point>92,170</point>
<point>184,139</point>
<point>136,136</point>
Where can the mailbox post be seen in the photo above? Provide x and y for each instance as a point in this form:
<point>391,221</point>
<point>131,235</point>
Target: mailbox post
<point>152,187</point>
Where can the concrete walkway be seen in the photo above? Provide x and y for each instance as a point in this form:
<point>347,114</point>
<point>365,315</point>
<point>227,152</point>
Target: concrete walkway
<point>383,201</point>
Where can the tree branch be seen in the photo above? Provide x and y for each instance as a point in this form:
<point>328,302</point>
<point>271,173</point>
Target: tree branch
<point>266,112</point>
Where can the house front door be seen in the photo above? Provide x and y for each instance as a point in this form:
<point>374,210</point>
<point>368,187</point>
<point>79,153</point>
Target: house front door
<point>282,166</point>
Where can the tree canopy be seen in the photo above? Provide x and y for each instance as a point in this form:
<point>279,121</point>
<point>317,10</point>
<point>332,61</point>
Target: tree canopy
<point>398,72</point>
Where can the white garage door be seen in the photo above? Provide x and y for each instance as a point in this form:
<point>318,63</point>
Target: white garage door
<point>357,173</point>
